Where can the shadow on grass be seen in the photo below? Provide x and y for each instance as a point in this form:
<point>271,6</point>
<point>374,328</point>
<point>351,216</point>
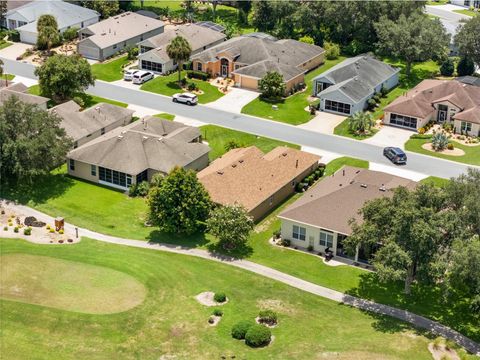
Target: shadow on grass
<point>173,85</point>
<point>240,252</point>
<point>178,240</point>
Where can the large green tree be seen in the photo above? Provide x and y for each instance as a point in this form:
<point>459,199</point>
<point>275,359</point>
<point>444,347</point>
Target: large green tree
<point>179,50</point>
<point>468,39</point>
<point>412,39</point>
<point>231,225</point>
<point>105,8</point>
<point>63,76</point>
<point>263,18</point>
<point>48,34</point>
<point>32,143</point>
<point>272,85</point>
<point>180,203</point>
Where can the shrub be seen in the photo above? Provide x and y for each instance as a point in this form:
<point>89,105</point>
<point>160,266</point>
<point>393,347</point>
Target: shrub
<point>79,101</point>
<point>383,91</point>
<point>140,189</point>
<point>475,304</point>
<point>286,242</point>
<point>5,228</point>
<point>272,85</point>
<point>217,312</point>
<point>14,35</point>
<point>70,34</point>
<point>132,53</point>
<point>450,146</point>
<point>371,103</point>
<point>220,297</point>
<point>232,144</point>
<point>192,86</point>
<point>61,231</point>
<point>240,329</point>
<point>465,67</point>
<point>276,234</point>
<point>200,75</point>
<point>421,131</point>
<point>332,50</point>
<point>439,141</point>
<point>310,248</point>
<point>307,40</point>
<point>15,229</point>
<point>258,335</point>
<point>27,231</point>
<point>377,97</point>
<point>447,67</point>
<point>52,230</point>
<point>267,317</point>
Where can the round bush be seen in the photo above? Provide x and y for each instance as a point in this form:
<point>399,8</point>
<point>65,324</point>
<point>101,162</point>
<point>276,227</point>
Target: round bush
<point>239,330</point>
<point>217,312</point>
<point>258,335</point>
<point>267,317</point>
<point>220,297</point>
<point>27,231</point>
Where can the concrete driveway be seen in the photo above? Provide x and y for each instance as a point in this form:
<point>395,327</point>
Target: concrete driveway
<point>235,100</point>
<point>390,136</point>
<point>14,51</point>
<point>323,123</point>
<point>447,16</point>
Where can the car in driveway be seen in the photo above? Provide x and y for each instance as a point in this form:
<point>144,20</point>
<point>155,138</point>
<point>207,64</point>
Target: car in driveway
<point>128,74</point>
<point>141,77</point>
<point>395,155</point>
<point>185,98</point>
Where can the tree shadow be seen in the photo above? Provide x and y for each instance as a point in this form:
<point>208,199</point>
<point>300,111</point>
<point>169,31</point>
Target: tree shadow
<point>241,252</point>
<point>178,240</point>
<point>173,85</point>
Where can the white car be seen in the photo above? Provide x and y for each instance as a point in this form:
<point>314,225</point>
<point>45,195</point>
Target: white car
<point>185,98</point>
<point>128,74</point>
<point>141,77</point>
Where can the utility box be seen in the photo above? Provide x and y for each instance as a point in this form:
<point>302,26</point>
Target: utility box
<point>59,223</point>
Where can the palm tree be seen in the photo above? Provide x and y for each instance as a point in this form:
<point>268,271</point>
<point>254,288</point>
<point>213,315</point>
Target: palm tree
<point>47,29</point>
<point>179,51</point>
<point>360,122</point>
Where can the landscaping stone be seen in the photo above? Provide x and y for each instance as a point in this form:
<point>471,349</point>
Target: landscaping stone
<point>454,152</point>
<point>206,298</point>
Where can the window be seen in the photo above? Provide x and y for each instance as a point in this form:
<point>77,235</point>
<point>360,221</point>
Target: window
<point>72,165</point>
<point>93,170</point>
<point>466,127</point>
<point>271,200</point>
<point>115,46</point>
<point>326,238</point>
<point>75,144</point>
<point>299,232</point>
<point>403,121</point>
<point>102,131</point>
<point>152,66</point>
<point>337,107</point>
<point>143,176</point>
<point>199,67</point>
<point>114,177</point>
<point>124,44</point>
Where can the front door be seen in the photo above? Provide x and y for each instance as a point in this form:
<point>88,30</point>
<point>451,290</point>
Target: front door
<point>442,113</point>
<point>224,70</point>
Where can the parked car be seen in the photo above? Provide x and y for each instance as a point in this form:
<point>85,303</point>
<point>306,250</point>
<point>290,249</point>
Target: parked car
<point>128,74</point>
<point>395,155</point>
<point>141,77</point>
<point>185,98</point>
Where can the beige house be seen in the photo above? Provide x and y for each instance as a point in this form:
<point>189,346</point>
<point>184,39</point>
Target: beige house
<point>320,219</point>
<point>246,59</point>
<point>84,126</point>
<point>441,101</point>
<point>256,180</point>
<point>106,38</point>
<point>134,153</point>
<point>20,91</point>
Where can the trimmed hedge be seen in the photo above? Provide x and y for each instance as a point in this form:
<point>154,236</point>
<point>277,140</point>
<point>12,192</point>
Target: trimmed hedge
<point>200,75</point>
<point>220,297</point>
<point>258,335</point>
<point>269,316</point>
<point>240,329</point>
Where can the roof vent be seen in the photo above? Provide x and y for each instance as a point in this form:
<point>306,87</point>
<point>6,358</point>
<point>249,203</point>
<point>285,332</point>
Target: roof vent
<point>284,154</point>
<point>144,138</point>
<point>234,165</point>
<point>383,188</point>
<point>351,182</point>
<point>240,161</point>
<point>363,186</point>
<point>124,132</point>
<point>119,137</point>
<point>220,172</point>
<point>357,172</point>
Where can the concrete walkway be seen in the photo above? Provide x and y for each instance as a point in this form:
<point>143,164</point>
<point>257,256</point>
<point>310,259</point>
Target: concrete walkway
<point>416,320</point>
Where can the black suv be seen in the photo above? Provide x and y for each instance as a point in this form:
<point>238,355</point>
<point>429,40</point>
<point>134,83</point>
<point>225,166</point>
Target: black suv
<point>395,155</point>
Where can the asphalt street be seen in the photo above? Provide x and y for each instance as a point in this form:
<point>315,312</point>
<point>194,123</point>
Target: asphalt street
<point>261,127</point>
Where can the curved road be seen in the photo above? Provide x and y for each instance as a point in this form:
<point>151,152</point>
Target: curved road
<point>416,162</point>
<point>366,305</point>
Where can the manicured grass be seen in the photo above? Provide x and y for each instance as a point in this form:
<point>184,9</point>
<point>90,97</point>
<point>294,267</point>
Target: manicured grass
<point>168,85</point>
<point>7,77</point>
<point>4,44</point>
<point>292,109</point>
<point>165,116</point>
<point>110,70</point>
<point>217,137</point>
<point>343,129</point>
<point>170,323</point>
<point>68,285</point>
<point>437,181</point>
<point>438,2</point>
<point>338,163</point>
<point>466,12</point>
<point>472,153</point>
<point>88,100</point>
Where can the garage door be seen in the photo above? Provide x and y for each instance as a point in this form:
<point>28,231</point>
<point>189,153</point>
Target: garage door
<point>338,107</point>
<point>89,52</point>
<point>28,37</point>
<point>403,121</point>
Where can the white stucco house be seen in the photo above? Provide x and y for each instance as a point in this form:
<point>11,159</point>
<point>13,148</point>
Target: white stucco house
<point>24,18</point>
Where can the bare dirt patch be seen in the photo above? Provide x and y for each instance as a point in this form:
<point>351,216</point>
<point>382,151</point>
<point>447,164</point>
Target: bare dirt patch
<point>206,298</point>
<point>440,352</point>
<point>276,305</point>
<point>454,152</point>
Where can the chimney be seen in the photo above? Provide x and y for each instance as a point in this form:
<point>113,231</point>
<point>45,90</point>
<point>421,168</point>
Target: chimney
<point>343,172</point>
<point>296,164</point>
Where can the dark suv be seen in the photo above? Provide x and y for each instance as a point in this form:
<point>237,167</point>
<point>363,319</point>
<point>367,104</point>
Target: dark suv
<point>395,155</point>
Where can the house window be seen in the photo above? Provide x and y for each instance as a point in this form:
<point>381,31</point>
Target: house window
<point>337,107</point>
<point>199,67</point>
<point>152,66</point>
<point>326,238</point>
<point>271,200</point>
<point>403,121</point>
<point>102,131</point>
<point>75,144</point>
<point>143,176</point>
<point>124,44</point>
<point>299,232</point>
<point>114,46</point>
<point>72,164</point>
<point>93,170</point>
<point>114,177</point>
<point>466,127</point>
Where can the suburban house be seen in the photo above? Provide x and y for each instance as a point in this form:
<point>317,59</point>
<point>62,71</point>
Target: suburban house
<point>467,3</point>
<point>246,59</point>
<point>24,18</point>
<point>134,153</point>
<point>106,38</point>
<point>256,180</point>
<point>440,101</point>
<point>320,219</point>
<point>470,80</point>
<point>84,126</point>
<point>20,91</point>
<point>153,51</point>
<point>347,87</point>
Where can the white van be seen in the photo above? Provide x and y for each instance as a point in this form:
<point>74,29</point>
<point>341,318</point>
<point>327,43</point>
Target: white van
<point>141,77</point>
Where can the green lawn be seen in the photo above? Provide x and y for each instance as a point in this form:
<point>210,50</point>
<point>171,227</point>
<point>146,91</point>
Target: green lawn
<point>4,44</point>
<point>343,129</point>
<point>467,12</point>
<point>472,153</point>
<point>437,2</point>
<point>110,70</point>
<point>170,323</point>
<point>217,137</point>
<point>88,100</point>
<point>165,116</point>
<point>292,109</point>
<point>168,85</point>
<point>437,181</point>
<point>9,77</point>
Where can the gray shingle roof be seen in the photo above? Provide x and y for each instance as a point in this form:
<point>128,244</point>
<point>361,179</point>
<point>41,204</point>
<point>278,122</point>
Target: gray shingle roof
<point>19,90</point>
<point>150,143</point>
<point>470,80</point>
<point>258,70</point>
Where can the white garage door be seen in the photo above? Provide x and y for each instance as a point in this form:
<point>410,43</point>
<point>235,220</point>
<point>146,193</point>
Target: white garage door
<point>28,37</point>
<point>89,52</point>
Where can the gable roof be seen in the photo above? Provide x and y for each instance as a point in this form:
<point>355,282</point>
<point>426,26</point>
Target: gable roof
<point>249,177</point>
<point>419,101</point>
<point>65,13</point>
<point>20,91</point>
<point>357,77</point>
<point>79,124</point>
<point>120,28</point>
<point>142,145</point>
<point>336,199</point>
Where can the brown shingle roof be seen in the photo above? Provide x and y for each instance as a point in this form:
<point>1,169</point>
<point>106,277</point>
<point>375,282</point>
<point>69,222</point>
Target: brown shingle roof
<point>248,177</point>
<point>338,198</point>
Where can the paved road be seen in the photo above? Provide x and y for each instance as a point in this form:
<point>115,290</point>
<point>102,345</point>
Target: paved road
<point>449,19</point>
<point>276,130</point>
<point>416,320</point>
